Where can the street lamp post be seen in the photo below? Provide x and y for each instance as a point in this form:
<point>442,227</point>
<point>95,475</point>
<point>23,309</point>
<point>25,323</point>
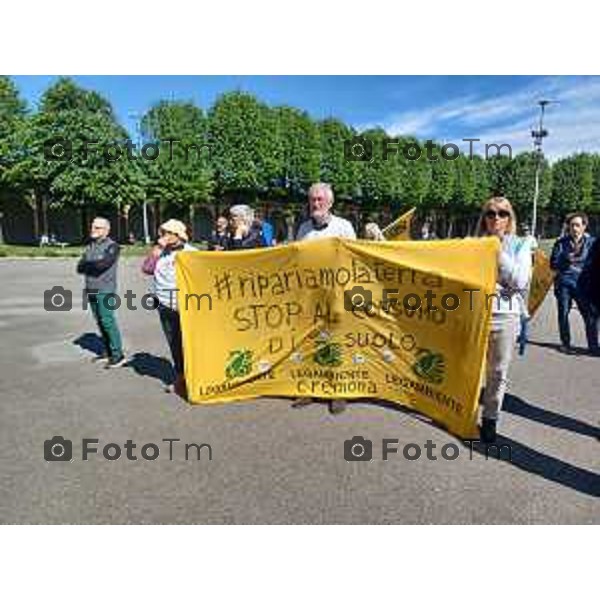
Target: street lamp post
<point>138,128</point>
<point>538,136</point>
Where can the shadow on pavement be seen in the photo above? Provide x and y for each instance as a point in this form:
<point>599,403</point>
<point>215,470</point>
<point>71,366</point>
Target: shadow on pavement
<point>554,346</point>
<point>523,457</point>
<point>519,407</point>
<point>91,342</point>
<point>149,365</point>
<point>553,469</point>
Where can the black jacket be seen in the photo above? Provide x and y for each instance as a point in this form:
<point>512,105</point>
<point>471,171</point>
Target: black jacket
<point>254,239</point>
<point>591,275</point>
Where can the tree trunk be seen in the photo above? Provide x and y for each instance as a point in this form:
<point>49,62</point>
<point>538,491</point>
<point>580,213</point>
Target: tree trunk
<point>126,209</point>
<point>33,204</point>
<point>44,200</point>
<point>192,218</point>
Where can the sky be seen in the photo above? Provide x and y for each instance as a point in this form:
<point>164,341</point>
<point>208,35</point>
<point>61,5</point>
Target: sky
<point>496,109</point>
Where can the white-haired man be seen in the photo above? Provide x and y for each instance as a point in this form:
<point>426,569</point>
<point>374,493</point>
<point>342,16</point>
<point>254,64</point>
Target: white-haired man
<point>99,267</point>
<point>323,224</point>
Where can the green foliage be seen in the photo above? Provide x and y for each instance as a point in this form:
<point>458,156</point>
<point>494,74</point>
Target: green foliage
<point>299,149</point>
<point>572,183</point>
<point>243,149</point>
<point>181,174</point>
<point>341,173</point>
<point>74,117</point>
<point>244,143</point>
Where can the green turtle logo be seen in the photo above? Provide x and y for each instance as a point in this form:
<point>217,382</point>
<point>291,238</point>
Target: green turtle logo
<point>430,366</point>
<point>239,363</point>
<point>328,353</point>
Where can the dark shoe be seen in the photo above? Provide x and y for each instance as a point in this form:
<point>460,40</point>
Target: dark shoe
<point>487,432</point>
<point>337,406</point>
<point>116,361</point>
<point>594,351</point>
<point>567,350</point>
<point>180,387</point>
<point>299,402</point>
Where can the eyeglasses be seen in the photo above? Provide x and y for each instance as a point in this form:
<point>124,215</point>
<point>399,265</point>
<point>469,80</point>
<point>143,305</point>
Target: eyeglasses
<point>492,214</point>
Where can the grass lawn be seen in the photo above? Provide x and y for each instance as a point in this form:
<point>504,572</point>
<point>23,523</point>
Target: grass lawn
<point>10,250</point>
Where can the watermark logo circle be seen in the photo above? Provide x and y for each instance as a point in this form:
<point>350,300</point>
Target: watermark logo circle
<point>57,454</point>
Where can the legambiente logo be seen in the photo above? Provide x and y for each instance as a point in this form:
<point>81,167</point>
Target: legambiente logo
<point>59,449</point>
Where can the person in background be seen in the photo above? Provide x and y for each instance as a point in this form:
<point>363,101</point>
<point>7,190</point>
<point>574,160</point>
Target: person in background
<point>373,232</point>
<point>514,274</point>
<point>323,224</point>
<point>160,263</point>
<point>131,239</point>
<point>98,265</point>
<point>220,236</point>
<point>245,233</point>
<point>590,281</point>
<point>569,255</point>
<point>528,239</point>
<point>268,231</point>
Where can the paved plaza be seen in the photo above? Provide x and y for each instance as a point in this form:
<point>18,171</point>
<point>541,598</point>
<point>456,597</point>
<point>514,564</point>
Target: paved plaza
<point>270,464</point>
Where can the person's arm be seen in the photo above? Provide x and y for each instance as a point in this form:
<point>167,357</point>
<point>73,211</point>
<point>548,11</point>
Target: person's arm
<point>557,258</point>
<point>108,259</point>
<point>81,264</point>
<point>515,269</point>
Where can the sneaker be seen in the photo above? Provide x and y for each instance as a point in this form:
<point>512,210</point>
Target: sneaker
<point>299,402</point>
<point>117,361</point>
<point>100,357</point>
<point>337,406</point>
<point>487,431</point>
<point>594,351</point>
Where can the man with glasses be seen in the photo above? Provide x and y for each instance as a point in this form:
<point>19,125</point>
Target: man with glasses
<point>569,256</point>
<point>99,267</point>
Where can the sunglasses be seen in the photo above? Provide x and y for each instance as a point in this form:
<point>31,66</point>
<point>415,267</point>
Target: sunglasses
<point>502,214</point>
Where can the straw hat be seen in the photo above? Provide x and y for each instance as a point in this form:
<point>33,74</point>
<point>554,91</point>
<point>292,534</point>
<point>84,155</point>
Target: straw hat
<point>176,227</point>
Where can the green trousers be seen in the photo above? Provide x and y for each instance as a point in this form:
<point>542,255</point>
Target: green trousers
<point>107,323</point>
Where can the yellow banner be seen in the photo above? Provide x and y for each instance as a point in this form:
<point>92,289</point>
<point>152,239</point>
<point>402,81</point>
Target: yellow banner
<point>400,228</point>
<point>336,318</point>
<point>542,278</point>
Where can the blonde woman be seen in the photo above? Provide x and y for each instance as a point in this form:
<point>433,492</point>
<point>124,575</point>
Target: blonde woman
<point>514,272</point>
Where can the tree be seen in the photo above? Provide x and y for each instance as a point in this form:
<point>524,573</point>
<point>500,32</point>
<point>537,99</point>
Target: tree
<point>12,117</point>
<point>298,150</point>
<point>336,168</point>
<point>244,145</point>
<point>380,178</point>
<point>57,161</point>
<point>181,174</point>
<point>572,184</point>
